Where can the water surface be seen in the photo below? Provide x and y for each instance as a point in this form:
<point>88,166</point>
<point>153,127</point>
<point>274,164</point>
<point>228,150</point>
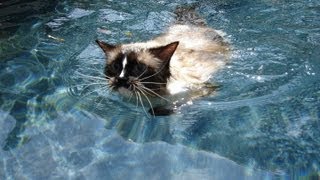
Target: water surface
<point>262,123</point>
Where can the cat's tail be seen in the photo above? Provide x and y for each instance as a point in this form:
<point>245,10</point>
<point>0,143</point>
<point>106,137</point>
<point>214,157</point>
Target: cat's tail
<point>187,15</point>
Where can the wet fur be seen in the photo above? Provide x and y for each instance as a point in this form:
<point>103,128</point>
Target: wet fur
<point>176,64</point>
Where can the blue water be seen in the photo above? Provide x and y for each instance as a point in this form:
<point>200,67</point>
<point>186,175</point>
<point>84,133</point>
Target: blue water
<point>263,123</point>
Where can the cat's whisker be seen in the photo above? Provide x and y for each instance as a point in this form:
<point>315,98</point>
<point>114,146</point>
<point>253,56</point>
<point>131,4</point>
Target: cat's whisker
<point>77,89</point>
<point>83,75</point>
<point>149,90</point>
<point>142,73</point>
<point>92,69</point>
<point>101,73</point>
<point>95,68</point>
<point>131,92</point>
<point>87,85</point>
<point>141,101</point>
<point>90,80</point>
<point>96,90</point>
<point>143,82</point>
<point>95,78</point>
<point>154,90</point>
<point>152,74</point>
<point>110,89</point>
<point>89,76</point>
<point>137,101</point>
<point>99,103</point>
<point>103,88</point>
<point>146,92</point>
<point>151,106</point>
<point>84,86</point>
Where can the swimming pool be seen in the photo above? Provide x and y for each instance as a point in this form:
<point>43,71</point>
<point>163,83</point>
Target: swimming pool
<point>263,123</point>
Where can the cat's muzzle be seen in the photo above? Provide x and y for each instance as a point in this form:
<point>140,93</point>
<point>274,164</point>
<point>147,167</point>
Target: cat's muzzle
<point>122,82</point>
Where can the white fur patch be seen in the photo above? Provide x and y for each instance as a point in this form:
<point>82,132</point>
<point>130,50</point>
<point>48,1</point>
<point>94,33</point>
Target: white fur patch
<point>124,63</point>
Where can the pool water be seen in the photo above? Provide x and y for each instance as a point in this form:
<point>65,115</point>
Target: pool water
<point>263,123</point>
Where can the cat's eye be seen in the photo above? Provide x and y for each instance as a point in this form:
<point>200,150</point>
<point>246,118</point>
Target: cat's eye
<point>139,69</point>
<point>116,66</point>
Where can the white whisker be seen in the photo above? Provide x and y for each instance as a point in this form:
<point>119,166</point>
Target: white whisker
<point>96,90</point>
<point>136,99</point>
<point>89,76</point>
<point>146,91</point>
<point>153,74</point>
<point>131,93</point>
<point>151,82</point>
<point>151,107</point>
<point>99,103</point>
<point>145,88</point>
<point>142,73</point>
<point>87,85</point>
<point>144,109</point>
<point>95,69</point>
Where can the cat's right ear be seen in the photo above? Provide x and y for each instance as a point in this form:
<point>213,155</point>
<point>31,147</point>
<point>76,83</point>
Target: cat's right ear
<point>105,46</point>
<point>165,52</point>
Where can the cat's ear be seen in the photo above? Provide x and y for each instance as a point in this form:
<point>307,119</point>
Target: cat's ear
<point>165,52</point>
<point>105,46</point>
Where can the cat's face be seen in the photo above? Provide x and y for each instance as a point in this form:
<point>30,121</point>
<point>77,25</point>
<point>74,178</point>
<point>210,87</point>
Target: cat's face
<point>138,71</point>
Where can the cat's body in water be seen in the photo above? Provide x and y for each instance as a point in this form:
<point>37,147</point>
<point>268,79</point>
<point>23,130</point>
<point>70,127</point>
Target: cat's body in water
<point>168,70</point>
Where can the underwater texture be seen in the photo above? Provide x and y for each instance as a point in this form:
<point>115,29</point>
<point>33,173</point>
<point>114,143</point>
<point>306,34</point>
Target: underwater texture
<point>57,122</point>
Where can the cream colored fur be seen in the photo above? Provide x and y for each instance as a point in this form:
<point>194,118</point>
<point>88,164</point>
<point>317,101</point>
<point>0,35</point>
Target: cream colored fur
<point>201,52</point>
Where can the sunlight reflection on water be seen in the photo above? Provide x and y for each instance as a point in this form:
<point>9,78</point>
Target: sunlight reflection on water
<point>264,116</point>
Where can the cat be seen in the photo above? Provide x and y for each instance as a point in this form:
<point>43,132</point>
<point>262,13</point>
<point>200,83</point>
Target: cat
<point>170,69</point>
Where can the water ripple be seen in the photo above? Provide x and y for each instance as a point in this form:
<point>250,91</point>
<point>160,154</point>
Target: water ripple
<point>264,116</point>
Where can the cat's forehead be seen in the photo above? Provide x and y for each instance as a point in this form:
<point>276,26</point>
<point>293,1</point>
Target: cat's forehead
<point>134,54</point>
<point>121,55</point>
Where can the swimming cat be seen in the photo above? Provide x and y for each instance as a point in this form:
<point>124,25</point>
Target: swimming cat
<point>163,72</point>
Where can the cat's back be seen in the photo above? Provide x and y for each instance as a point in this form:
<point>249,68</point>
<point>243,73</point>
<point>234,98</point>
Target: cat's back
<point>202,51</point>
<point>200,38</point>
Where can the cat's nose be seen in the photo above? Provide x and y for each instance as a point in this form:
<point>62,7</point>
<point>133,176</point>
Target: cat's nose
<point>123,82</point>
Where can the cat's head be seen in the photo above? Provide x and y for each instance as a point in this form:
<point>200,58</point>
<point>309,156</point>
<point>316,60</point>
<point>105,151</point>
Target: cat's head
<point>132,69</point>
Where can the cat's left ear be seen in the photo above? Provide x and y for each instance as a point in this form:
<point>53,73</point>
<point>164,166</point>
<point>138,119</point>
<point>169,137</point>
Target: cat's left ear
<point>105,46</point>
<point>165,52</point>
